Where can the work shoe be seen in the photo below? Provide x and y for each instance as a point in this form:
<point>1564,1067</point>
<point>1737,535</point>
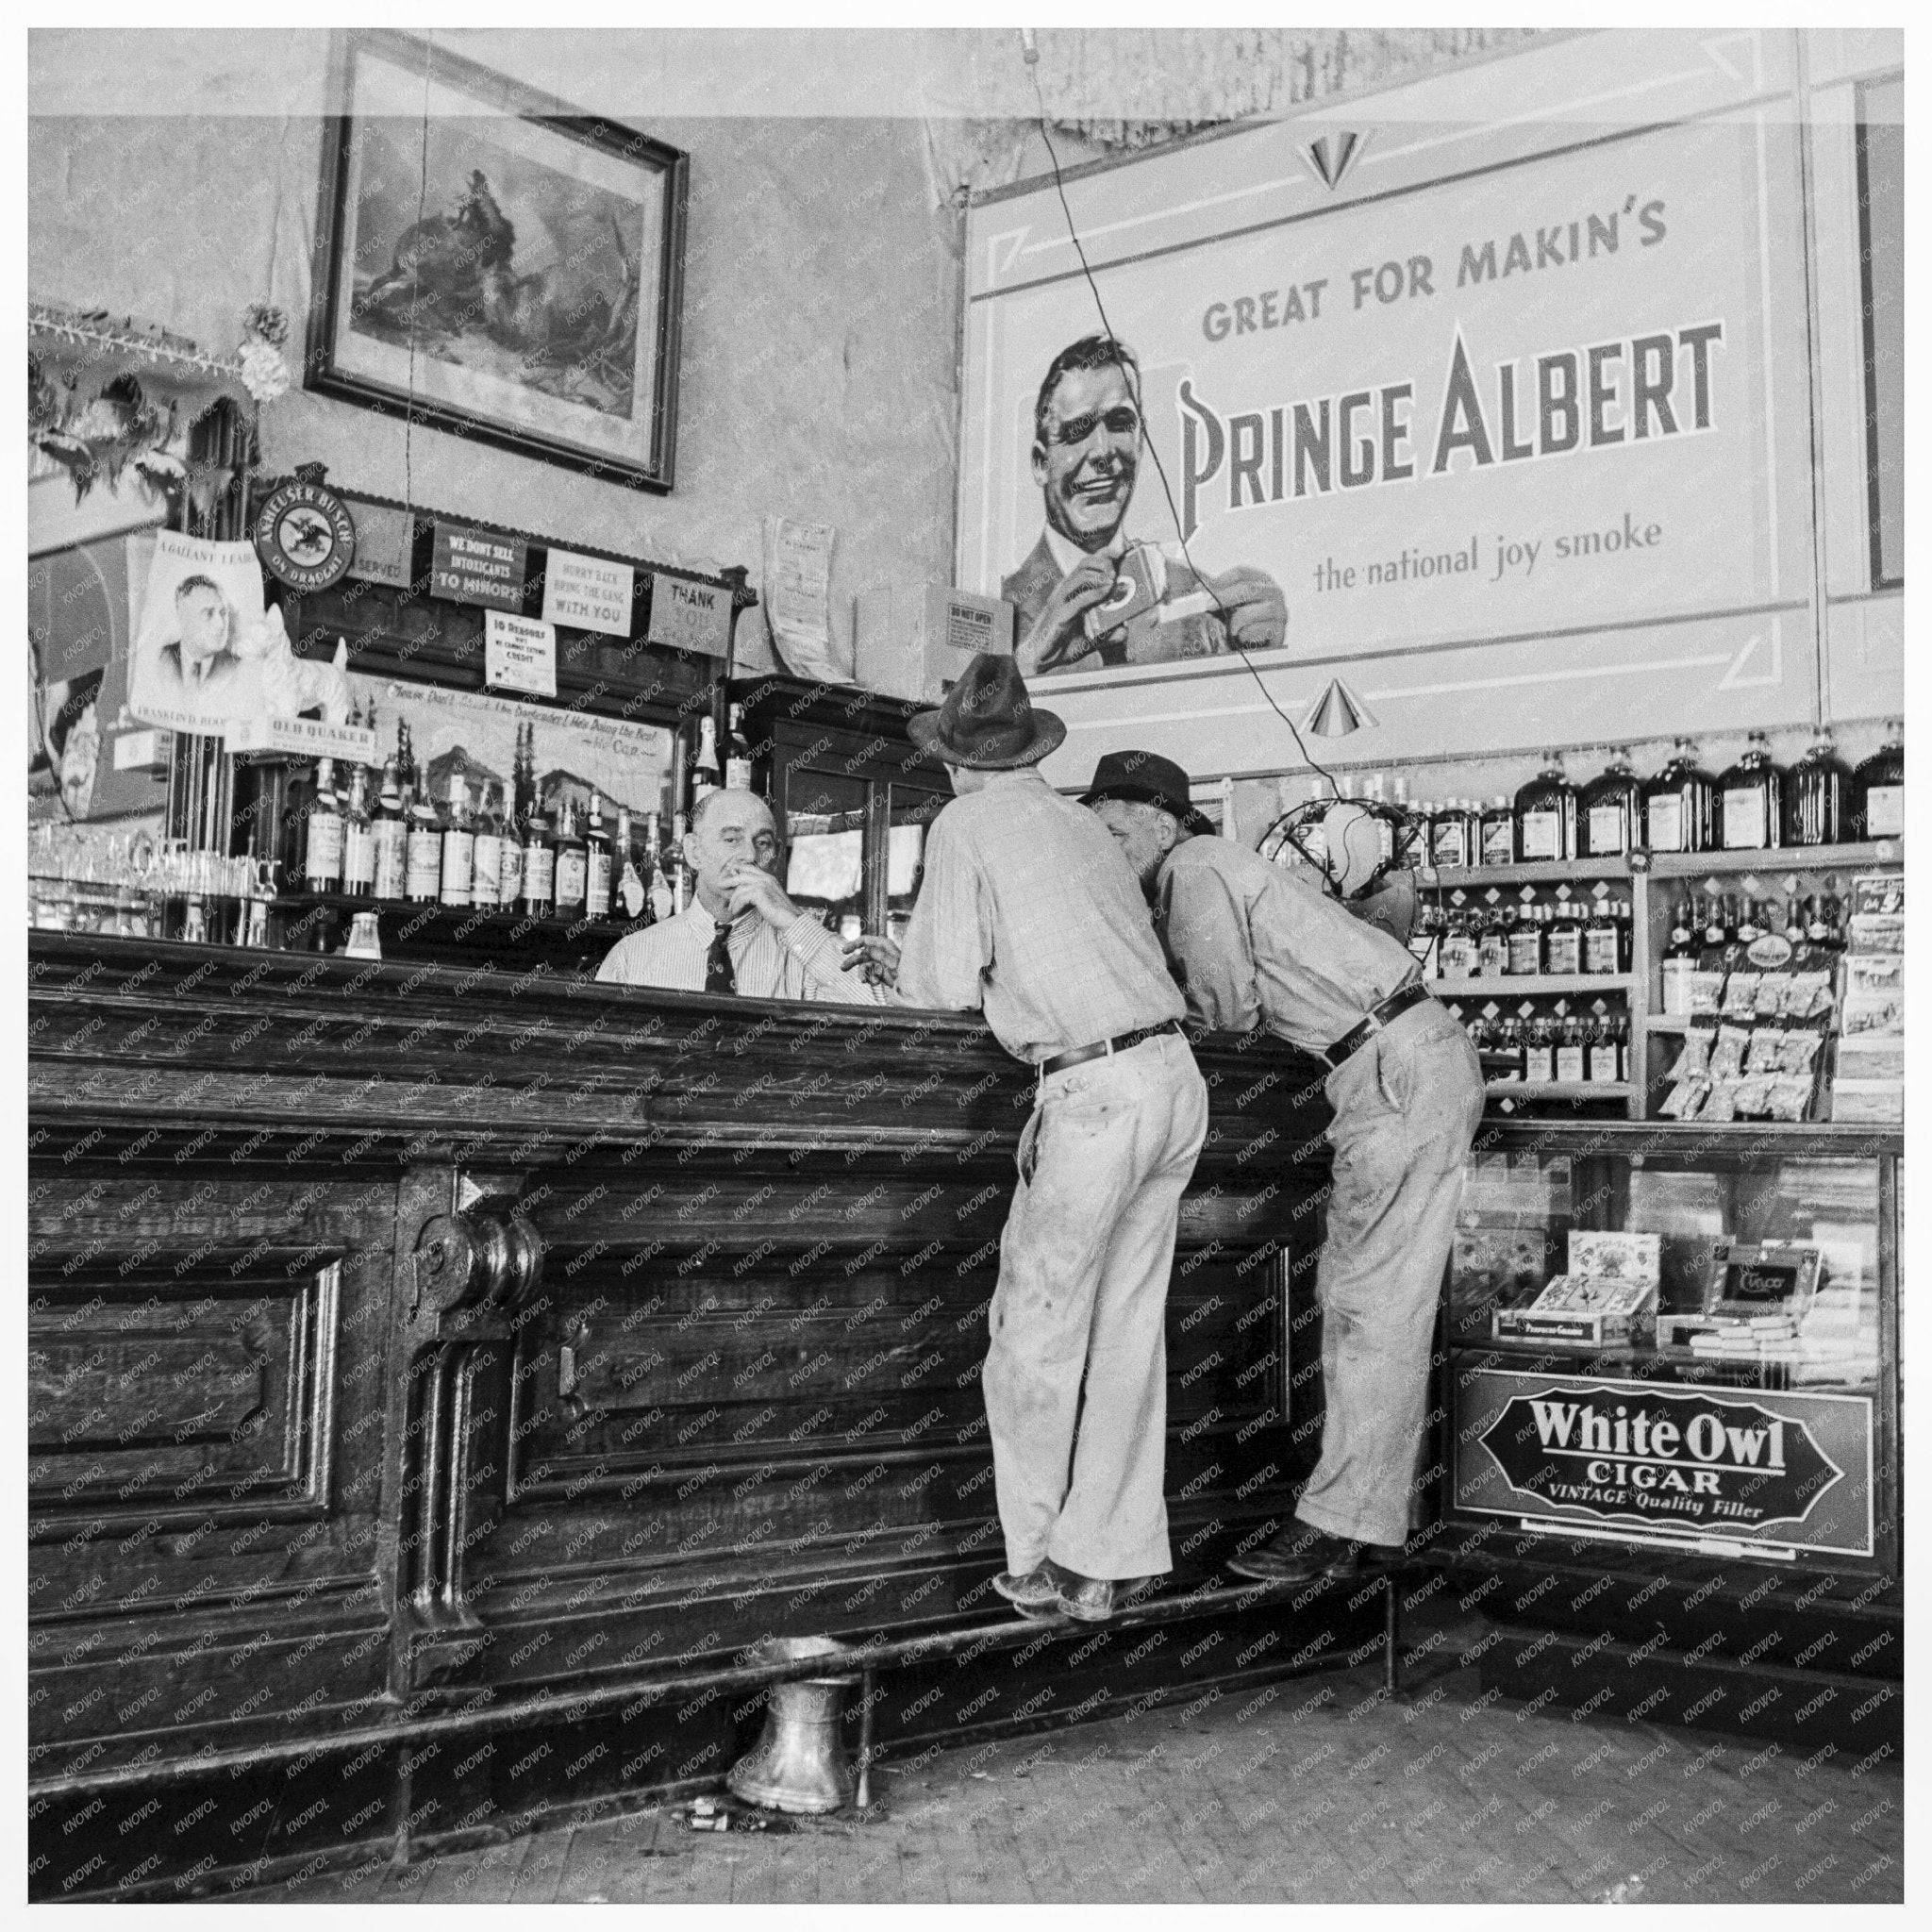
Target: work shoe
<point>1032,1591</point>
<point>1089,1598</point>
<point>1301,1555</point>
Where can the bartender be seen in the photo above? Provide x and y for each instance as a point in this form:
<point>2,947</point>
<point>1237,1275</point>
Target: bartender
<point>1029,912</point>
<point>741,934</point>
<point>1251,946</point>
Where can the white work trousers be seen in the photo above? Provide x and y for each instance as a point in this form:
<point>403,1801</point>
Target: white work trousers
<point>1082,1295</point>
<point>1407,1106</point>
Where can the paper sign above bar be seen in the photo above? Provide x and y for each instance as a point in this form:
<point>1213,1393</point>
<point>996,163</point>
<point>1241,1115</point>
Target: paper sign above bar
<point>307,737</point>
<point>694,617</point>
<point>384,539</point>
<point>478,567</point>
<point>589,592</point>
<point>519,653</point>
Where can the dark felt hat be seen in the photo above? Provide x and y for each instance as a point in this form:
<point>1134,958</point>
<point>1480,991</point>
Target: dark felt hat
<point>988,723</point>
<point>1146,778</point>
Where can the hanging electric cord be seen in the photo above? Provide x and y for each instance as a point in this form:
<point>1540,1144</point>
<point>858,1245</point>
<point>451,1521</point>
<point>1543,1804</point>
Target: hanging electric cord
<point>1304,826</point>
<point>1031,55</point>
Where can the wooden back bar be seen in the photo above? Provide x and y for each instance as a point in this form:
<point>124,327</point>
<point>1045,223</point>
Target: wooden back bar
<point>404,1341</point>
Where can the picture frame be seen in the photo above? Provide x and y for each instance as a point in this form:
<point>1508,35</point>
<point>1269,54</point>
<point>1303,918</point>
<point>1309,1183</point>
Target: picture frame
<point>496,264</point>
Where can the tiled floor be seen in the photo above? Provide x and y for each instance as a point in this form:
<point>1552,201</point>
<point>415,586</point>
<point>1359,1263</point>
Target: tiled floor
<point>1325,1791</point>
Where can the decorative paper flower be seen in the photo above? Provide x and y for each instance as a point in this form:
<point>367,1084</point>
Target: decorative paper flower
<point>263,371</point>
<point>266,320</point>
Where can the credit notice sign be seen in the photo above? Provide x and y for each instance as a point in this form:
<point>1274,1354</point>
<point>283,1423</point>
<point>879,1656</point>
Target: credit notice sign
<point>1737,1465</point>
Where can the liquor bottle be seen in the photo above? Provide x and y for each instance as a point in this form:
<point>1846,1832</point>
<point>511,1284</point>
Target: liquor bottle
<point>1879,788</point>
<point>405,766</point>
<point>1794,923</point>
<point>458,855</point>
<point>1602,939</point>
<point>1570,1050</point>
<point>1563,942</point>
<point>540,867</point>
<point>359,838</point>
<point>1509,1046</point>
<point>1601,1056</point>
<point>1751,800</point>
<point>1825,928</point>
<point>572,863</point>
<point>1540,1051</point>
<point>1409,852</point>
<point>1425,942</point>
<point>422,881</point>
<point>657,887</point>
<point>1493,946</point>
<point>1680,958</point>
<point>1817,791</point>
<point>1458,948</point>
<point>1457,833</point>
<point>681,886</point>
<point>1546,813</point>
<point>1611,809</point>
<point>738,753</point>
<point>1498,839</point>
<point>321,854</point>
<point>633,900</point>
<point>1712,955</point>
<point>1385,827</point>
<point>390,834</point>
<point>705,774</point>
<point>1678,804</point>
<point>486,871</point>
<point>598,858</point>
<point>509,873</point>
<point>1527,943</point>
<point>1748,924</point>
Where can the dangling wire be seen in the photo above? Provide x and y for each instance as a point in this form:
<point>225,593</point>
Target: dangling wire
<point>1031,56</point>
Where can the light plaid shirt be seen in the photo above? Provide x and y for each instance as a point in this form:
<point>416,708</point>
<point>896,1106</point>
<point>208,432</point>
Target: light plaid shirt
<point>801,964</point>
<point>1029,911</point>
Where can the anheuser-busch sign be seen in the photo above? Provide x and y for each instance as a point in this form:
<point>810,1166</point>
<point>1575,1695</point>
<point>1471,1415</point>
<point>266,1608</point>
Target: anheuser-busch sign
<point>1696,1462</point>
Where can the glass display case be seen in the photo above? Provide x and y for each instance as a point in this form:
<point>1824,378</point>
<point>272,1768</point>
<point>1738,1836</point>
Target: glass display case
<point>1671,1337</point>
<point>852,798</point>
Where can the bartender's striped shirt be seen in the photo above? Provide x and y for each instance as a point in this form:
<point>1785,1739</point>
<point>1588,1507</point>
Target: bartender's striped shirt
<point>800,963</point>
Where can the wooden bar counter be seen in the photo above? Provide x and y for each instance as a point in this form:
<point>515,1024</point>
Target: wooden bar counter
<point>440,1381</point>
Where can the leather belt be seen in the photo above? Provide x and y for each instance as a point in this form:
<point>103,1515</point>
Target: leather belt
<point>1412,993</point>
<point>1078,1055</point>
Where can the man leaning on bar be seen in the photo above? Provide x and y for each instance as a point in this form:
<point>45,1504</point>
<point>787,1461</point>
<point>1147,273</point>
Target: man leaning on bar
<point>1028,912</point>
<point>740,933</point>
<point>1255,946</point>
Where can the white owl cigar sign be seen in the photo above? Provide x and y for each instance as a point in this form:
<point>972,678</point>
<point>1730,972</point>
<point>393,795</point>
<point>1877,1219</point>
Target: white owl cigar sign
<point>208,656</point>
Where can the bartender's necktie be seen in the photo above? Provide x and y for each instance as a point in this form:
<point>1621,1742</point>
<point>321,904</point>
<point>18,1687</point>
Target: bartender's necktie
<point>718,975</point>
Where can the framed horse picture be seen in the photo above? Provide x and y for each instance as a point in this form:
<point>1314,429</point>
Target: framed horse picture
<point>492,262</point>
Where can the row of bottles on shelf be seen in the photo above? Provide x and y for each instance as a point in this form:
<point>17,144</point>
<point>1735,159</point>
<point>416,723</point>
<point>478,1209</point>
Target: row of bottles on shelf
<point>389,838</point>
<point>386,838</point>
<point>1713,932</point>
<point>1573,1049</point>
<point>1524,942</point>
<point>1753,806</point>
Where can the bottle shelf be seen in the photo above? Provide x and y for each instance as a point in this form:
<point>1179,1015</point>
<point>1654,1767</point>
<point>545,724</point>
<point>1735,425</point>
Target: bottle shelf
<point>1532,985</point>
<point>1668,1023</point>
<point>1535,872</point>
<point>1559,1090</point>
<point>426,915</point>
<point>1777,858</point>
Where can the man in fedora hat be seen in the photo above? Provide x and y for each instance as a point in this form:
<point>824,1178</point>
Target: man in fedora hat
<point>1253,946</point>
<point>1029,912</point>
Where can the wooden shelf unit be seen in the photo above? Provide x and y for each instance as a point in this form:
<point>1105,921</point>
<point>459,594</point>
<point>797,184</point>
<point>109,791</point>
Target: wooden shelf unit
<point>1655,881</point>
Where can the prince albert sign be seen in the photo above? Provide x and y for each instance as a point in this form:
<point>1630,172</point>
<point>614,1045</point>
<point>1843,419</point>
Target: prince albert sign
<point>1789,1470</point>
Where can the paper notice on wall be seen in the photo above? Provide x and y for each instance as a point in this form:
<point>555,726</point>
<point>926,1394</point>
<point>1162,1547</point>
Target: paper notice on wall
<point>519,653</point>
<point>798,600</point>
<point>590,592</point>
